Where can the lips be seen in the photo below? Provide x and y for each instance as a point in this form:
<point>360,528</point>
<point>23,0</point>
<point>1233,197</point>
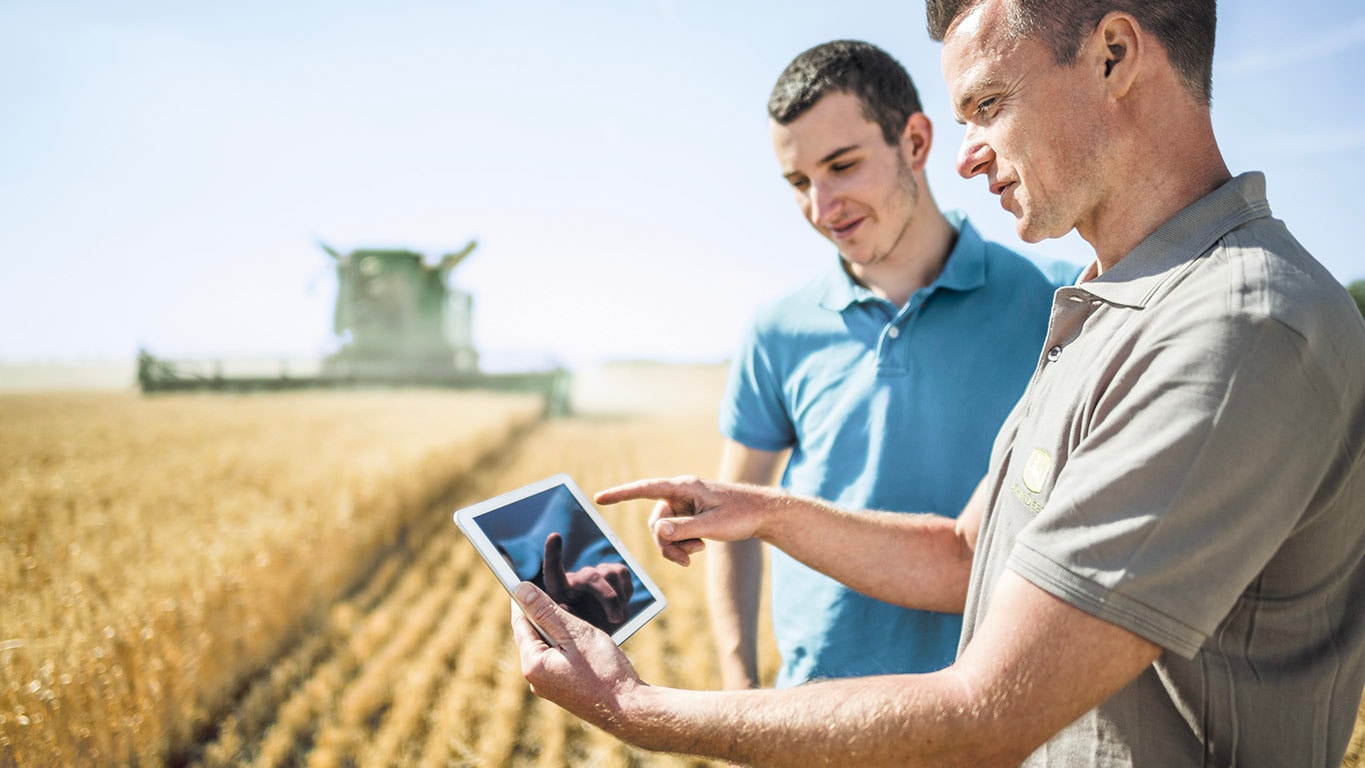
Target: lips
<point>845,230</point>
<point>1005,190</point>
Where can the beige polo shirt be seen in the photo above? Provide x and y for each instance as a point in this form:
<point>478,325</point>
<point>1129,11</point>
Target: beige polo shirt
<point>1187,464</point>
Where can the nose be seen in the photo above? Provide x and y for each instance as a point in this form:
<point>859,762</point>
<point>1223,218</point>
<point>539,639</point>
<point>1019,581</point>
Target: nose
<point>975,156</point>
<point>823,203</point>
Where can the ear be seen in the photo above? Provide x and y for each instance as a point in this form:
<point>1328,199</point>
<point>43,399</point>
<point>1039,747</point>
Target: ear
<point>1119,49</point>
<point>916,140</point>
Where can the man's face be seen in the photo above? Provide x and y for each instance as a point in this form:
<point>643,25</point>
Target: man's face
<point>852,186</point>
<point>1032,125</point>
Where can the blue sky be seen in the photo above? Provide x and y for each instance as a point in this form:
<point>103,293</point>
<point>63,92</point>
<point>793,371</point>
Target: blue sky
<point>167,169</point>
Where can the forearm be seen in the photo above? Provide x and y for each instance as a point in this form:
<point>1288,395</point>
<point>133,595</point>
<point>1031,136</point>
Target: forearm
<point>734,578</point>
<point>735,573</point>
<point>1034,664</point>
<point>928,720</point>
<point>913,560</point>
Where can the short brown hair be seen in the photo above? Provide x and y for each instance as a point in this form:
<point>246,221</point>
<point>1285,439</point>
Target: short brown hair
<point>860,69</point>
<point>1184,27</point>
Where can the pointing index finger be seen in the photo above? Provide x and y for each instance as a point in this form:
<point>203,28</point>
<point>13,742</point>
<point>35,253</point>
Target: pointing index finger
<point>556,581</point>
<point>655,488</point>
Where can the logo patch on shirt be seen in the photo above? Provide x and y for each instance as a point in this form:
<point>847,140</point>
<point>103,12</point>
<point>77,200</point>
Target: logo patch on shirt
<point>1035,471</point>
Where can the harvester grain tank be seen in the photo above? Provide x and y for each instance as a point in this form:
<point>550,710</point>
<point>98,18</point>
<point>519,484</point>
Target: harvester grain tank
<point>398,316</point>
<point>399,323</point>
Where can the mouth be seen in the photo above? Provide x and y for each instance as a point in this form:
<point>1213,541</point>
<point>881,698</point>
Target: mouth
<point>1005,190</point>
<point>845,230</point>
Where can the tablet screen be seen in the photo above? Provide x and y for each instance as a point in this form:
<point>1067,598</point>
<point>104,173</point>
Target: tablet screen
<point>549,534</point>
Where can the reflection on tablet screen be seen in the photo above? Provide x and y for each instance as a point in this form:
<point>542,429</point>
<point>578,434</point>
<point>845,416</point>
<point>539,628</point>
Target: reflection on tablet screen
<point>550,541</point>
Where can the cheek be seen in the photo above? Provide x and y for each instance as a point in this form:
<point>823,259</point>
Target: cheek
<point>1040,168</point>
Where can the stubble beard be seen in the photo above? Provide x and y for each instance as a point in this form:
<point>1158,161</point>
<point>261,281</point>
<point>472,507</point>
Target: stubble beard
<point>906,181</point>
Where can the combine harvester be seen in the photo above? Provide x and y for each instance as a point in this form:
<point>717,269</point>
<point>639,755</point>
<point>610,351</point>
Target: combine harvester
<point>400,324</point>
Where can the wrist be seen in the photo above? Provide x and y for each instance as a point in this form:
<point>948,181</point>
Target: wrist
<point>764,505</point>
<point>640,717</point>
<point>775,511</point>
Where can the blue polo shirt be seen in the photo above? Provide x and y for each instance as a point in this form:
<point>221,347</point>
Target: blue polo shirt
<point>883,408</point>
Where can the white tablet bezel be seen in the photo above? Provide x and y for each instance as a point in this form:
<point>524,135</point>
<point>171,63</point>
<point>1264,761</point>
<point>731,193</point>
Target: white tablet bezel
<point>468,521</point>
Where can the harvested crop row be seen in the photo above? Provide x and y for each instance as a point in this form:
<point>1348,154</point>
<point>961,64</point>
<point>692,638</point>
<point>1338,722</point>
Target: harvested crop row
<point>446,688</point>
<point>155,551</point>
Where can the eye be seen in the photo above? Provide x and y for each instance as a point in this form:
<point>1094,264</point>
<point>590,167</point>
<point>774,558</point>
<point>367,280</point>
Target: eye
<point>841,167</point>
<point>986,106</point>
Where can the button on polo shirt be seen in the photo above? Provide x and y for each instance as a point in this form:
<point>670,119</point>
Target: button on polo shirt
<point>901,338</point>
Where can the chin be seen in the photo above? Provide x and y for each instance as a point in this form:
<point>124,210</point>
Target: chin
<point>1036,232</point>
<point>857,257</point>
<point>1025,230</point>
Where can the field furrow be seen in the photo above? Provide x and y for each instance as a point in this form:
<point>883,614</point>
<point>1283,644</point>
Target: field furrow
<point>427,674</point>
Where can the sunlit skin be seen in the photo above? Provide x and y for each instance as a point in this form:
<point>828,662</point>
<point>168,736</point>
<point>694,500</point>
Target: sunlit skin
<point>1111,145</point>
<point>865,196</point>
<point>1044,163</point>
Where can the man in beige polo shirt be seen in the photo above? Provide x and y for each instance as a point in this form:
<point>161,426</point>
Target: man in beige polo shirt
<point>1165,563</point>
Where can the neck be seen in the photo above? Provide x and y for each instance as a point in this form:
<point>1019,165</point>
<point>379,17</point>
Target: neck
<point>1172,163</point>
<point>916,260</point>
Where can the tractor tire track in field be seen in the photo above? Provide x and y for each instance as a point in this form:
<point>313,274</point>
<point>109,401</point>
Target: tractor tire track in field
<point>416,666</point>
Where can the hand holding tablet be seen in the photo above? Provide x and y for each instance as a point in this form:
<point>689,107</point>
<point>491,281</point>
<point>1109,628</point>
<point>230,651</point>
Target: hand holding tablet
<point>549,534</point>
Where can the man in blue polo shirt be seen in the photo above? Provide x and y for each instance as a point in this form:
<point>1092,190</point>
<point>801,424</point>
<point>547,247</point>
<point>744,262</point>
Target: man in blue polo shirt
<point>882,382</point>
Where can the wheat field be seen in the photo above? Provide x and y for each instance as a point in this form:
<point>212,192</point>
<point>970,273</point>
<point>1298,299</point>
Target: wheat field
<point>276,580</point>
<point>155,551</point>
<point>418,666</point>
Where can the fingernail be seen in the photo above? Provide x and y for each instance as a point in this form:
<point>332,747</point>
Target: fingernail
<point>666,528</point>
<point>526,594</point>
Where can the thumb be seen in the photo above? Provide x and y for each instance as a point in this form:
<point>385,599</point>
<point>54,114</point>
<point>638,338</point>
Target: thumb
<point>684,528</point>
<point>556,624</point>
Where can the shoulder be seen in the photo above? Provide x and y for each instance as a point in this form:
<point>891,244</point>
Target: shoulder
<point>1264,275</point>
<point>1005,266</point>
<point>1254,303</point>
<point>1012,278</point>
<point>1257,272</point>
<point>1268,272</point>
<point>1003,263</point>
<point>792,310</point>
<point>1226,257</point>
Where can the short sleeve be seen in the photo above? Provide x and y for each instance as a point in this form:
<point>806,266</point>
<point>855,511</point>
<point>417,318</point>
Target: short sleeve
<point>753,411</point>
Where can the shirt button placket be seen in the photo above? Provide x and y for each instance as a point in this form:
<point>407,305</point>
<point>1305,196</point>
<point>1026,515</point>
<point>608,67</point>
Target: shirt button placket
<point>891,355</point>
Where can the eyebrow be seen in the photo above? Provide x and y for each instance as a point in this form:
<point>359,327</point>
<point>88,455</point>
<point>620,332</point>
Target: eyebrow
<point>960,108</point>
<point>835,154</point>
<point>972,93</point>
<point>829,158</point>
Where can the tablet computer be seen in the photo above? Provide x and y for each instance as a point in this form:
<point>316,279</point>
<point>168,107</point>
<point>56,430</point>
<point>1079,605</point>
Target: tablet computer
<point>549,533</point>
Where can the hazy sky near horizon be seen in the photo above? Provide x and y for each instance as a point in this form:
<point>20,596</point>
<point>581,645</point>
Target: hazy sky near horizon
<point>167,170</point>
